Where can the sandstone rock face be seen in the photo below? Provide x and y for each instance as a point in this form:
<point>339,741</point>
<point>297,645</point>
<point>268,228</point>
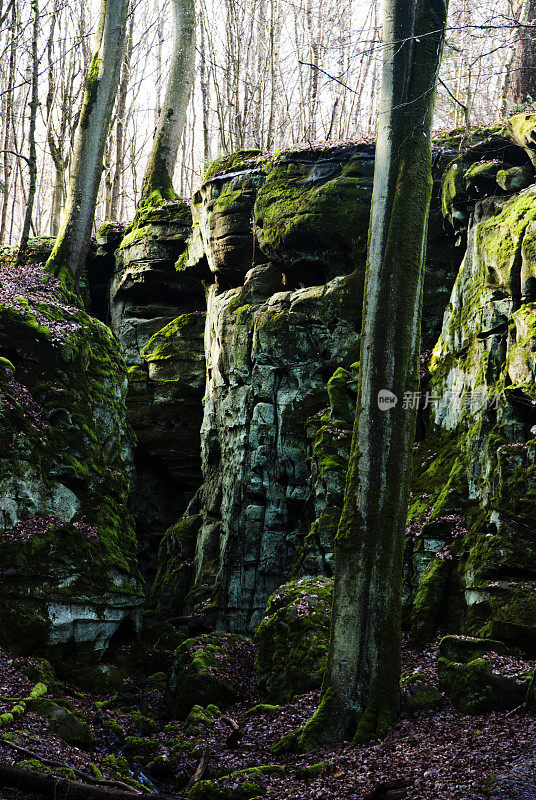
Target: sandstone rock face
<point>157,312</point>
<point>267,364</point>
<point>280,236</point>
<point>471,535</point>
<point>67,550</point>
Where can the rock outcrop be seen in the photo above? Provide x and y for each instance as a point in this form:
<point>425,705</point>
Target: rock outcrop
<point>67,549</point>
<point>473,517</point>
<point>158,313</point>
<point>239,324</point>
<point>284,238</point>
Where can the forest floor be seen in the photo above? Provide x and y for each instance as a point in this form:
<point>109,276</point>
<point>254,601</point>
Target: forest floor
<point>443,754</point>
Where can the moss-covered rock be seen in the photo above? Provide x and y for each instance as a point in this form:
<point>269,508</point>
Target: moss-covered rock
<point>67,548</point>
<point>475,688</point>
<point>240,784</point>
<point>291,642</point>
<point>199,719</point>
<point>69,727</point>
<point>139,749</point>
<point>211,669</point>
<point>418,694</point>
<point>471,553</point>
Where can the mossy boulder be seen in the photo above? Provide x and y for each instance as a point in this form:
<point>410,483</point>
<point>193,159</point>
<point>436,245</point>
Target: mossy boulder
<point>199,719</point>
<point>242,784</point>
<point>69,727</point>
<point>312,211</point>
<point>418,694</point>
<point>211,669</point>
<point>467,648</point>
<point>291,643</point>
<point>69,573</point>
<point>475,689</point>
<point>139,749</point>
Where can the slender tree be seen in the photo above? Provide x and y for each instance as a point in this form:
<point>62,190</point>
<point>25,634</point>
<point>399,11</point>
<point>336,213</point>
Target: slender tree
<point>72,244</point>
<point>32,157</point>
<point>519,85</point>
<point>361,688</point>
<point>161,165</point>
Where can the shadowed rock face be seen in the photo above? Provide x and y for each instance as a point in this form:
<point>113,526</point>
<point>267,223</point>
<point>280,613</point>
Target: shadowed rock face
<point>479,508</point>
<point>158,314</point>
<point>67,547</point>
<point>280,236</point>
<point>240,333</point>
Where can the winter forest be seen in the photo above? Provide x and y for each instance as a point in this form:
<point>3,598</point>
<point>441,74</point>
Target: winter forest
<point>267,399</point>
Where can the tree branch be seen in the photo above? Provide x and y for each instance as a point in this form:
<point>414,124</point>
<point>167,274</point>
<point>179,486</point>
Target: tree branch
<point>63,788</point>
<point>444,85</point>
<point>50,763</point>
<point>18,155</point>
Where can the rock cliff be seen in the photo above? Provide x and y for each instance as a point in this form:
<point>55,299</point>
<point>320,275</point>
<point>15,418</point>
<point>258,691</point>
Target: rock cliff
<point>68,547</point>
<point>217,424</point>
<point>284,238</point>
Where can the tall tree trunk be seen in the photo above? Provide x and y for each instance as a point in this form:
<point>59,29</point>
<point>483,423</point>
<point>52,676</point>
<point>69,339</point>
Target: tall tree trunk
<point>7,122</point>
<point>32,158</point>
<point>203,80</point>
<point>521,82</point>
<point>72,245</point>
<point>57,197</point>
<point>361,688</point>
<point>159,173</point>
<point>120,126</point>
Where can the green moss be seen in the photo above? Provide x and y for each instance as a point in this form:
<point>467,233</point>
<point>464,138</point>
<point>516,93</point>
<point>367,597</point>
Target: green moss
<point>291,215</point>
<point>513,617</point>
<point>427,603</point>
<point>78,456</point>
<point>231,163</point>
<point>292,640</point>
<point>34,765</point>
<point>163,346</point>
<point>172,580</point>
<point>95,771</point>
<point>118,765</point>
<point>139,749</point>
<point>6,364</point>
<point>112,726</point>
<point>145,724</point>
<point>475,689</point>
<point>313,770</point>
<point>200,673</point>
<point>287,743</point>
<point>136,235</point>
<point>199,719</point>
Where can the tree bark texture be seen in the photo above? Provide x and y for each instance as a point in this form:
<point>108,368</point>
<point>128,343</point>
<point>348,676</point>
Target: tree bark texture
<point>361,692</point>
<point>161,165</point>
<point>72,244</point>
<point>521,84</point>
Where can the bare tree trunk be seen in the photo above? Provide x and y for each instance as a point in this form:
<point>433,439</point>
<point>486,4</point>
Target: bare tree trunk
<point>159,173</point>
<point>72,245</point>
<point>120,126</point>
<point>361,692</point>
<point>32,159</point>
<point>203,79</point>
<point>521,84</point>
<point>8,116</point>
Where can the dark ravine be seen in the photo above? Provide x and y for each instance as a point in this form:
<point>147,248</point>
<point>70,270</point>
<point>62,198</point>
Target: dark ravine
<point>172,459</point>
